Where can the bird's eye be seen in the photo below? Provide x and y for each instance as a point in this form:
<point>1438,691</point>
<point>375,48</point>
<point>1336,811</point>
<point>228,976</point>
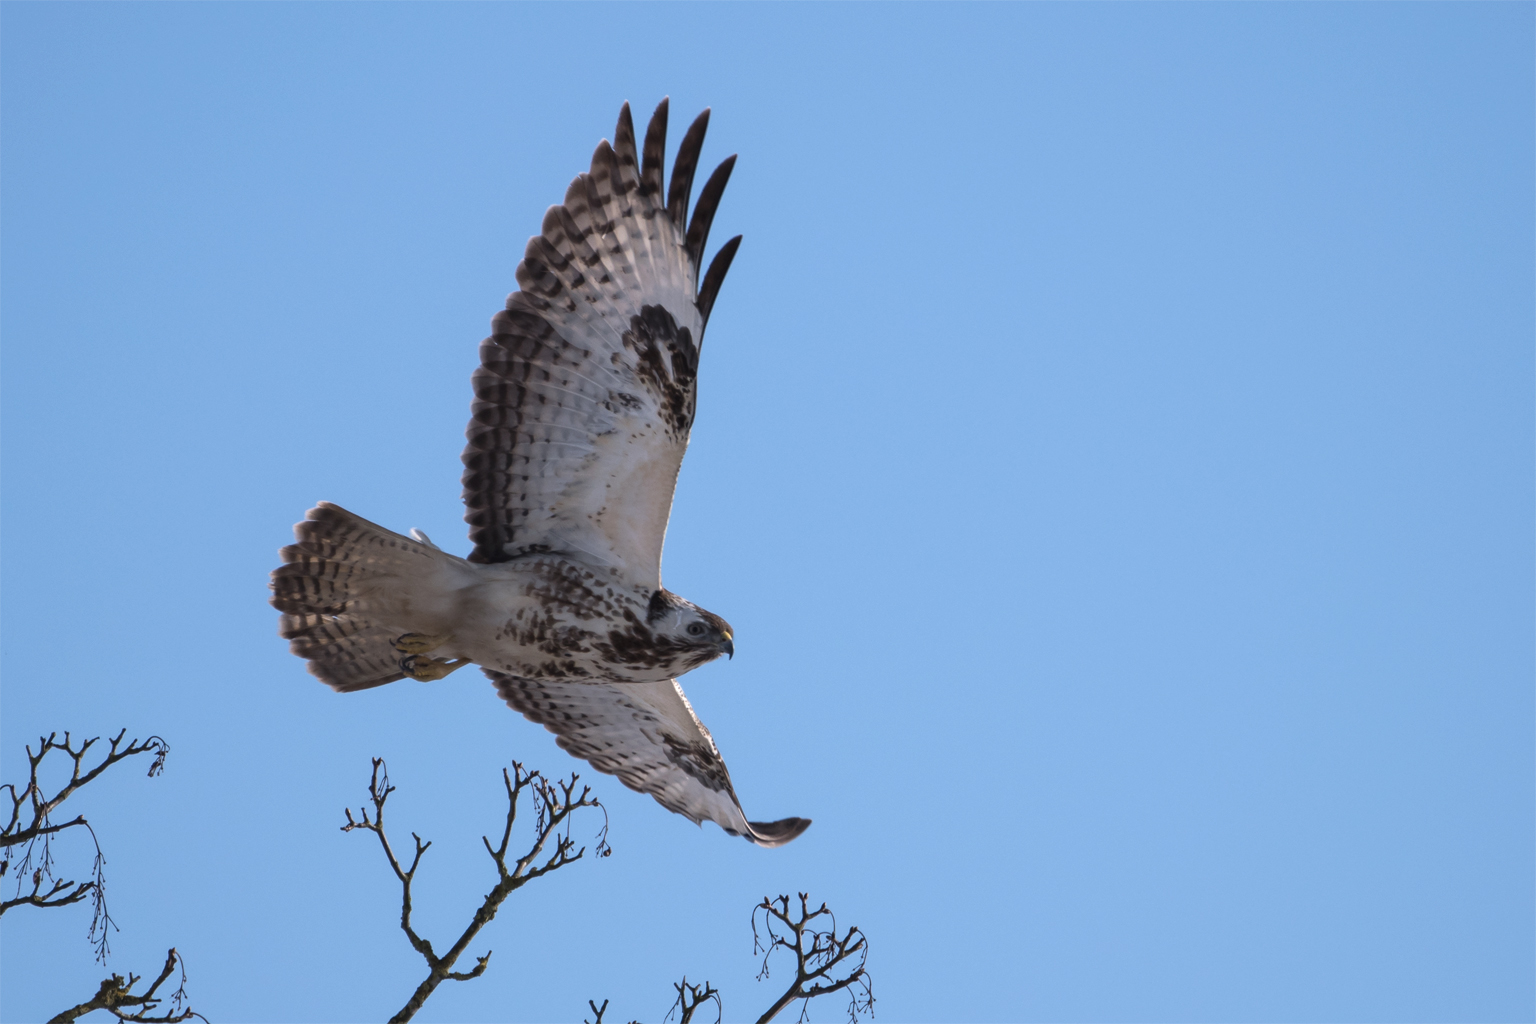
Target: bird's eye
<point>696,629</point>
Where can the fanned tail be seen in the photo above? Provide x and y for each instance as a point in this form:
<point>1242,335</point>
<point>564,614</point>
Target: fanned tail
<point>335,590</point>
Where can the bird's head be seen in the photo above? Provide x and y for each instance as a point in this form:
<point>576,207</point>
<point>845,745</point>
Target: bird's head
<point>703,635</point>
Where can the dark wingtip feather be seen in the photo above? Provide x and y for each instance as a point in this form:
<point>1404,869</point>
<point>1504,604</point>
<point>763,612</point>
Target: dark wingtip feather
<point>682,170</point>
<point>704,212</point>
<point>715,277</point>
<point>777,833</point>
<point>605,177</point>
<point>653,159</point>
<point>624,146</point>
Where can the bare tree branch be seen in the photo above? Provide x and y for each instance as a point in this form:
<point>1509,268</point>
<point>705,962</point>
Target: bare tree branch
<point>117,998</point>
<point>815,964</point>
<point>38,898</point>
<point>41,807</point>
<point>597,1012</point>
<point>34,831</point>
<point>690,997</point>
<point>553,801</point>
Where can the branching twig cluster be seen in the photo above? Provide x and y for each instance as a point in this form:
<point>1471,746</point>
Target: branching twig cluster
<point>31,828</point>
<point>825,962</point>
<point>117,998</point>
<point>553,801</point>
<point>691,997</point>
<point>818,952</point>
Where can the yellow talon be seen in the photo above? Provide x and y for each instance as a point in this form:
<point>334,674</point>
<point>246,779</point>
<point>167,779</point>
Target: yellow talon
<point>419,643</point>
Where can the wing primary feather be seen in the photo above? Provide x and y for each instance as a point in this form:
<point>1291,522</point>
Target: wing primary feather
<point>606,176</point>
<point>682,170</point>
<point>557,374</point>
<point>704,212</point>
<point>776,833</point>
<point>624,148</point>
<point>653,158</point>
<point>714,278</point>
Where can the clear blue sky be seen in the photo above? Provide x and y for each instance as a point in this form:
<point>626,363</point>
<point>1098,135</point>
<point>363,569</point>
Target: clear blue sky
<point>1114,451</point>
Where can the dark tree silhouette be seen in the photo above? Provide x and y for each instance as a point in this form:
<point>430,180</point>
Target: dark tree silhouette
<point>116,997</point>
<point>691,997</point>
<point>553,803</point>
<point>825,962</point>
<point>34,830</point>
<point>30,831</point>
<point>819,953</point>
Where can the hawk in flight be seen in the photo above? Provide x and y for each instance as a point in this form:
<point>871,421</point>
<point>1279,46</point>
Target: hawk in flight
<point>583,402</point>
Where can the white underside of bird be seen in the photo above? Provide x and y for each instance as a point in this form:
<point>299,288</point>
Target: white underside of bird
<point>584,400</point>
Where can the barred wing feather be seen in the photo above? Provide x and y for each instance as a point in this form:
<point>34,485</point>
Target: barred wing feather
<point>585,393</point>
<point>647,735</point>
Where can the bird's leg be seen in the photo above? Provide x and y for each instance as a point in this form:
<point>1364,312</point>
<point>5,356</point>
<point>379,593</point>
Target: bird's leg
<point>419,643</point>
<point>429,669</point>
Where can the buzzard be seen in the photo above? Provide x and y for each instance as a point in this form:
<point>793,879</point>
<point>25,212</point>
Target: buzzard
<point>583,402</point>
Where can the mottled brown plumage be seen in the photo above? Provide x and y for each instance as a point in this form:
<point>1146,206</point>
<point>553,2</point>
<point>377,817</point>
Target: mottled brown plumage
<point>583,403</point>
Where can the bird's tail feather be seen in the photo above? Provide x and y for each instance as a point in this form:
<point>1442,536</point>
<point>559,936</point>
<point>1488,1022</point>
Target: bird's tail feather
<point>335,591</point>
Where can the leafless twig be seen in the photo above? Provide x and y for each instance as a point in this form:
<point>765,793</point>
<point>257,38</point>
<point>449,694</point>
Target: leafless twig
<point>117,998</point>
<point>817,953</point>
<point>553,802</point>
<point>33,830</point>
<point>597,1012</point>
<point>690,997</point>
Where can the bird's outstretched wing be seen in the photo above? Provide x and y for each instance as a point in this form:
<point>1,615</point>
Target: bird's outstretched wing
<point>585,392</point>
<point>647,735</point>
